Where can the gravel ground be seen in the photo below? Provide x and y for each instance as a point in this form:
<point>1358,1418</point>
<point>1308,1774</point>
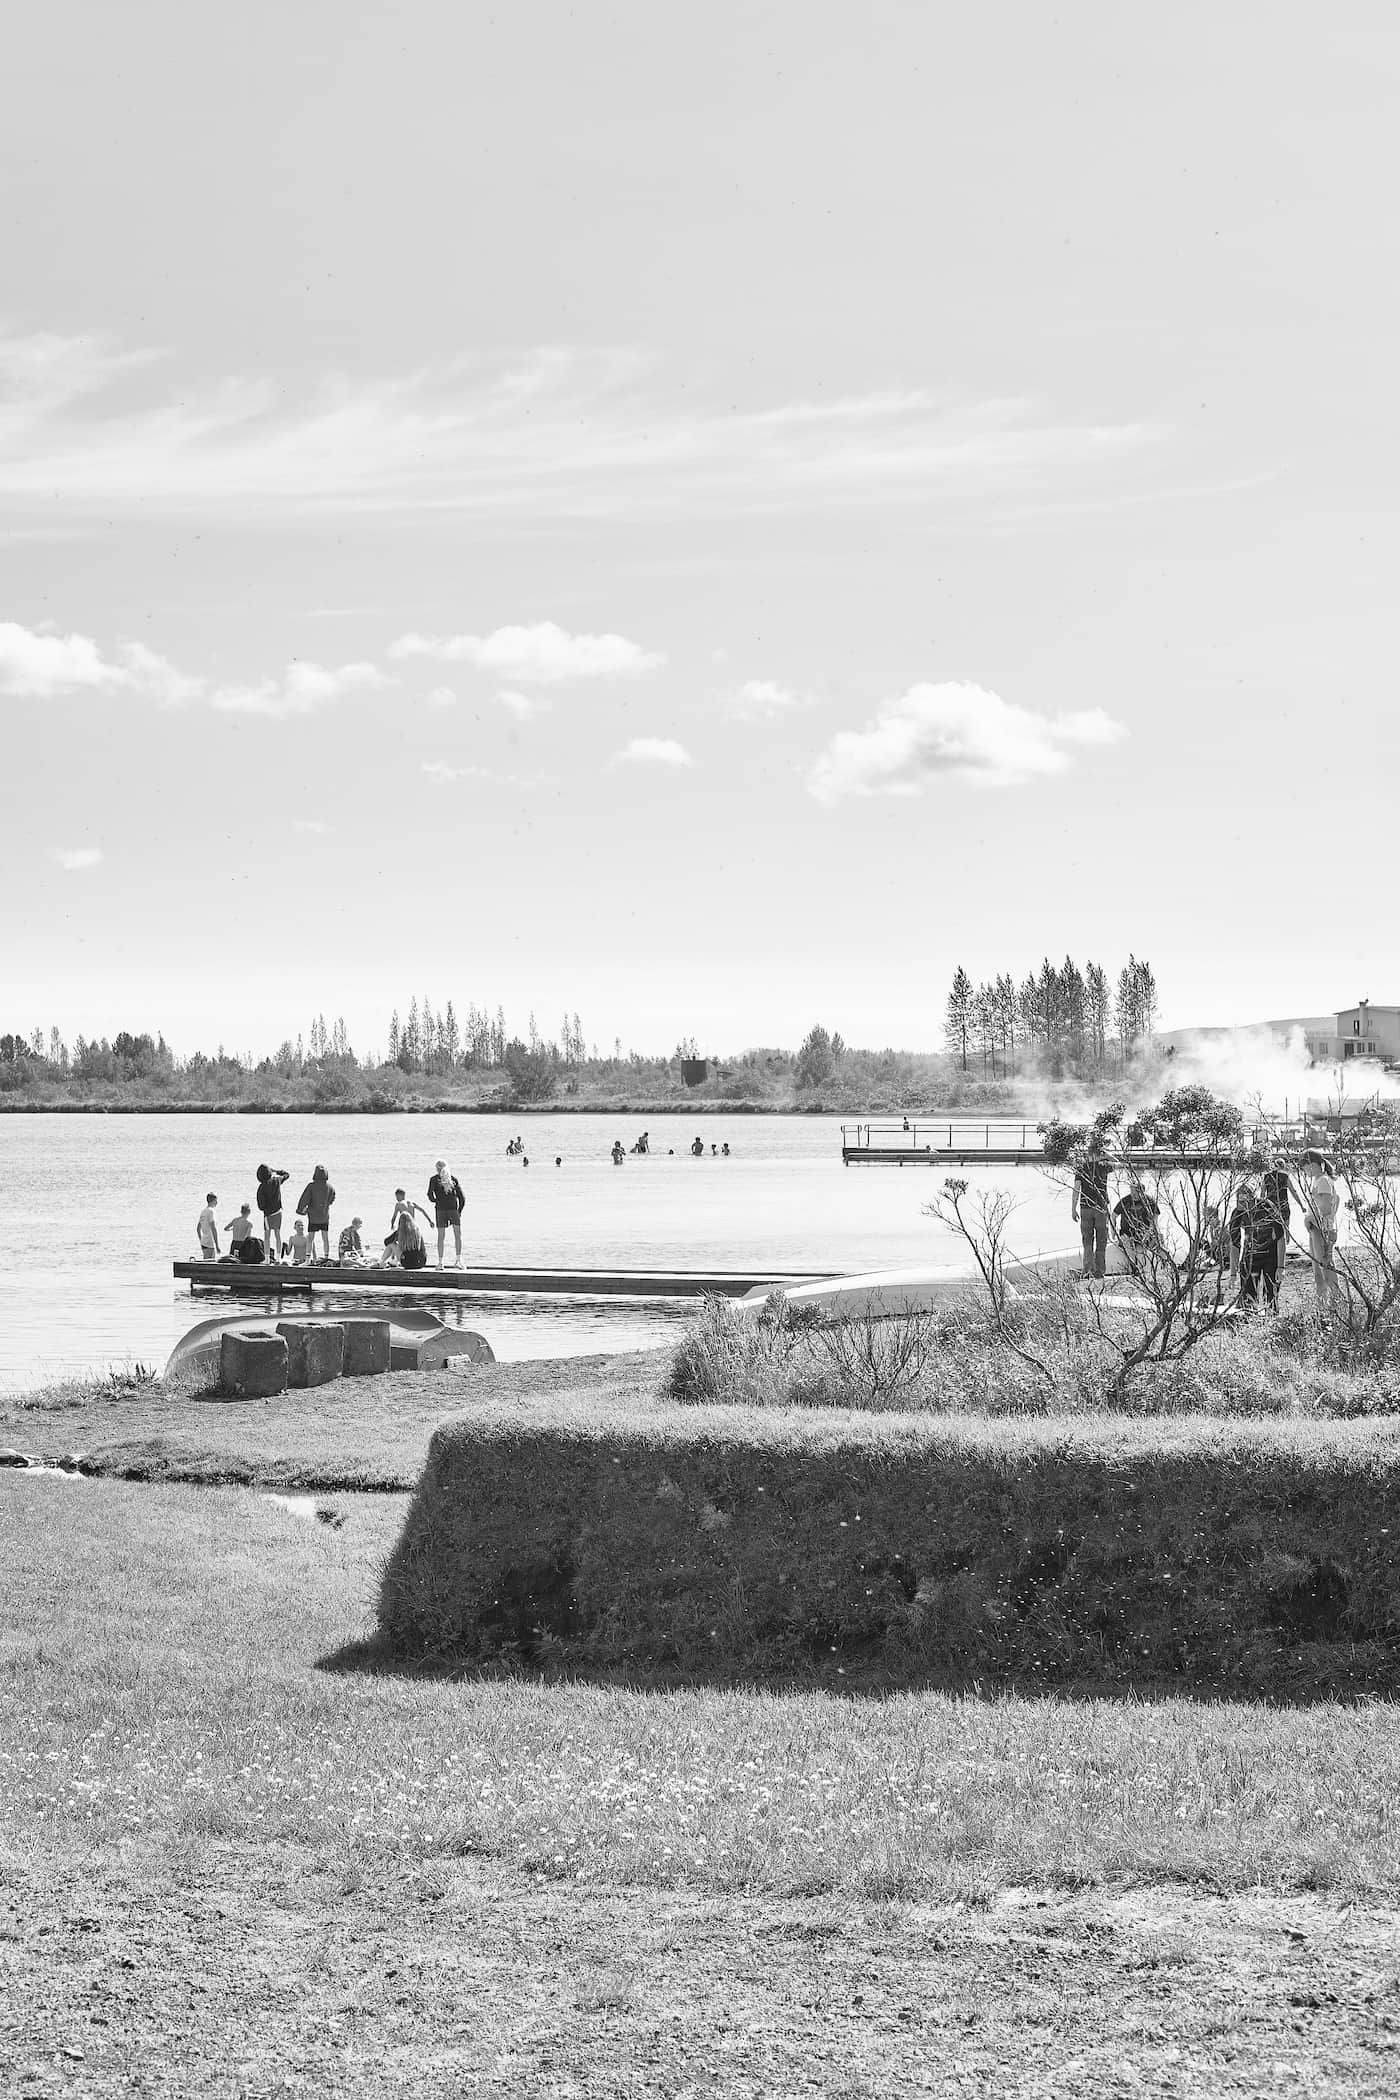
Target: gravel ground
<point>252,1972</point>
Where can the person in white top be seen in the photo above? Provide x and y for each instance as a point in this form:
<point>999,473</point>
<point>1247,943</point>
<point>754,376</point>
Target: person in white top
<point>1323,1206</point>
<point>207,1230</point>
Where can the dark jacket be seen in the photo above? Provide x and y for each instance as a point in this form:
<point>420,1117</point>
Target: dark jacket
<point>270,1191</point>
<point>314,1204</point>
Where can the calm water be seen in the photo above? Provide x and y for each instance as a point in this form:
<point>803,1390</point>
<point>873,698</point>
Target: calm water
<point>94,1208</point>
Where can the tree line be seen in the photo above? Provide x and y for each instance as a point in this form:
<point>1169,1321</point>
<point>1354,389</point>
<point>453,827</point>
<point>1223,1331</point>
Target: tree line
<point>1062,1011</point>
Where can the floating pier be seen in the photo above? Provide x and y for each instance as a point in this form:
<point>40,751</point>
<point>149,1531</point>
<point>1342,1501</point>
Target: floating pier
<point>923,1142</point>
<point>270,1278</point>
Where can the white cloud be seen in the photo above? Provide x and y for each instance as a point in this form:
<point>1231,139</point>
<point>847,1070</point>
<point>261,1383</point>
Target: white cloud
<point>763,696</point>
<point>75,858</point>
<point>442,696</point>
<point>40,665</point>
<point>953,731</point>
<point>86,428</point>
<point>652,751</point>
<point>316,827</point>
<point>301,690</point>
<point>540,655</point>
<point>438,769</point>
<point>524,706</point>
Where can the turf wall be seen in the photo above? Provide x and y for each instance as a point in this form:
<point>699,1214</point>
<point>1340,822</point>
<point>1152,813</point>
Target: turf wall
<point>713,1542</point>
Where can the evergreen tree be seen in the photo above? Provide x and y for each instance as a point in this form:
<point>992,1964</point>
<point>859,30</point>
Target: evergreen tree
<point>957,1024</point>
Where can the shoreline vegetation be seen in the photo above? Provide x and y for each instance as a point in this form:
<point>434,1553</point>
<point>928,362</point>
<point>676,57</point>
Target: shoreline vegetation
<point>1007,1051</point>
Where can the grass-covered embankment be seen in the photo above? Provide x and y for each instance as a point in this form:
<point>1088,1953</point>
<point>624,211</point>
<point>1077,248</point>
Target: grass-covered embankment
<point>895,1549</point>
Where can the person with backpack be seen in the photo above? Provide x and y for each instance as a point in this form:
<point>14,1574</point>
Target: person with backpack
<point>314,1204</point>
<point>270,1180</point>
<point>445,1195</point>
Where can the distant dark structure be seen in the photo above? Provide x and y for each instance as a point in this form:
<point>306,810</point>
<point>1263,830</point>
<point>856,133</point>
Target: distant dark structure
<point>695,1070</point>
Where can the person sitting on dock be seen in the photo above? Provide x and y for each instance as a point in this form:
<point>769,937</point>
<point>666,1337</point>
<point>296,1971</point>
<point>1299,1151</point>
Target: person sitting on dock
<point>300,1244</point>
<point>240,1228</point>
<point>207,1230</point>
<point>314,1204</point>
<point>404,1236</point>
<point>350,1248</point>
<point>445,1195</point>
<point>270,1180</point>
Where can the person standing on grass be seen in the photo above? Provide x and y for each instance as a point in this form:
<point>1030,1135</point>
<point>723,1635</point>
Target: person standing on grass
<point>1323,1204</point>
<point>445,1195</point>
<point>270,1180</point>
<point>1256,1230</point>
<point>1089,1209</point>
<point>207,1230</point>
<point>314,1204</point>
<point>1276,1195</point>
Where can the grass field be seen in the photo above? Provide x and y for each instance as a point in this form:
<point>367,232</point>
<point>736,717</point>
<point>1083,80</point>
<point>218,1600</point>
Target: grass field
<point>233,1861</point>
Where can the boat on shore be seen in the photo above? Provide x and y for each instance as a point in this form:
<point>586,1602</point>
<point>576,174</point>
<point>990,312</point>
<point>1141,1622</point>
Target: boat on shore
<point>418,1341</point>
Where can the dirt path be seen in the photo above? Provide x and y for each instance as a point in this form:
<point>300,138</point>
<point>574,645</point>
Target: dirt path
<point>254,1972</point>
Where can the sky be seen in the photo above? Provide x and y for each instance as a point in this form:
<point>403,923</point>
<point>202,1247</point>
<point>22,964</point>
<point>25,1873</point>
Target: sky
<point>703,518</point>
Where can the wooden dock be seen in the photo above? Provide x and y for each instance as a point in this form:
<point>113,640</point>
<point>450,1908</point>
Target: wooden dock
<point>273,1277</point>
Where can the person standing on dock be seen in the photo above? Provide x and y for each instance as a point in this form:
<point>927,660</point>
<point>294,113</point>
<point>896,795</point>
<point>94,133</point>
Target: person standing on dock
<point>270,1180</point>
<point>445,1195</point>
<point>207,1230</point>
<point>314,1204</point>
<point>1089,1209</point>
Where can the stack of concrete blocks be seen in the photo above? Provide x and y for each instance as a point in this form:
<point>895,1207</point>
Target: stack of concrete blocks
<point>256,1364</point>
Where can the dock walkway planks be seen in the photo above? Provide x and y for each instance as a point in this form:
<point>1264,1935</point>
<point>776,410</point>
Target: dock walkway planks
<point>266,1277</point>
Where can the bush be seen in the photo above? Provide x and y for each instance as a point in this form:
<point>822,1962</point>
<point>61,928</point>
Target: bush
<point>711,1542</point>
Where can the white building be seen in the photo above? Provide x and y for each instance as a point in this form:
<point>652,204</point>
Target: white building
<point>1362,1031</point>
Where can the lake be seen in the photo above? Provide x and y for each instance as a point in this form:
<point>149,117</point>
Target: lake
<point>93,1209</point>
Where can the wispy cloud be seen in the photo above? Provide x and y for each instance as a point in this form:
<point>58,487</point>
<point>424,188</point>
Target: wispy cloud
<point>763,696</point>
<point>544,654</point>
<point>442,696</point>
<point>302,689</point>
<point>315,827</point>
<point>444,773</point>
<point>961,732</point>
<point>652,751</point>
<point>91,429</point>
<point>75,858</point>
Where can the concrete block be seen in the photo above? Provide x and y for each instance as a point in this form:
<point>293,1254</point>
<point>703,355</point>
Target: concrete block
<point>315,1353</point>
<point>253,1366</point>
<point>433,1352</point>
<point>366,1348</point>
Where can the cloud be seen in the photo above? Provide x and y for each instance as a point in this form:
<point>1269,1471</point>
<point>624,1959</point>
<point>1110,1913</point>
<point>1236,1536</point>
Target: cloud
<point>540,655</point>
<point>962,732</point>
<point>442,696</point>
<point>652,751</point>
<point>302,689</point>
<point>90,429</point>
<point>524,706</point>
<point>761,696</point>
<point>75,858</point>
<point>41,666</point>
<point>315,826</point>
<point>438,769</point>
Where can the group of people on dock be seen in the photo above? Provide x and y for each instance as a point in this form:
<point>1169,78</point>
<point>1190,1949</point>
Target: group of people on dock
<point>310,1238</point>
<point>1250,1244</point>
